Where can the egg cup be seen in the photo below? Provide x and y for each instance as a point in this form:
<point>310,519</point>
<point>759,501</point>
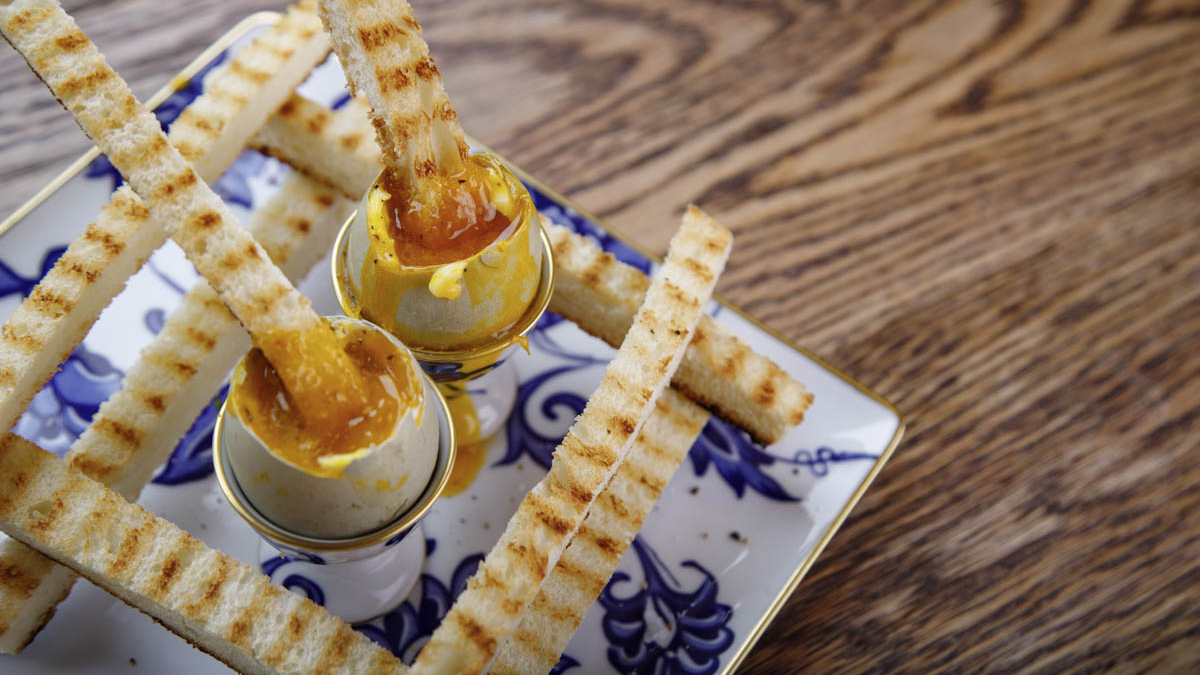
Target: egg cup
<point>472,370</point>
<point>360,576</point>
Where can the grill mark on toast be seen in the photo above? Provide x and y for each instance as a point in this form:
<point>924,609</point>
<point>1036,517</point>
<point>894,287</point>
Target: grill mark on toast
<point>120,431</point>
<point>317,123</point>
<point>535,561</point>
<point>533,642</point>
<point>294,629</point>
<point>49,303</point>
<point>196,336</point>
<point>167,576</point>
<point>28,342</point>
<point>17,580</point>
<point>92,467</point>
<point>301,225</point>
<point>23,21</point>
<point>232,261</point>
<point>154,401</point>
<point>127,550</point>
<point>71,41</point>
<point>622,424</point>
<point>243,70</point>
<point>79,268</point>
<point>475,632</point>
<point>547,514</point>
<point>336,650</point>
<point>392,79</point>
<point>85,85</point>
<point>242,629</point>
<point>582,575</point>
<point>380,35</point>
<point>595,454</point>
<point>426,70</point>
<point>557,611</point>
<point>201,607</point>
<point>176,184</point>
<point>206,220</point>
<point>111,245</point>
<point>764,391</point>
<point>617,506</point>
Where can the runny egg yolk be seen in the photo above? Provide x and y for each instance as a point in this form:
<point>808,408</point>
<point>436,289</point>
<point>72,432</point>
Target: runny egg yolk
<point>448,218</point>
<point>388,384</point>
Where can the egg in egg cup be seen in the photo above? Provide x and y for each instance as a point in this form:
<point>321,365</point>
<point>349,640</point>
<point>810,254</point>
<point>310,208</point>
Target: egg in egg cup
<point>462,318</point>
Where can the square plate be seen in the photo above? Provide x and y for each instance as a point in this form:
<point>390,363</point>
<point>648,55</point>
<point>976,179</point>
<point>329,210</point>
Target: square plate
<point>731,537</point>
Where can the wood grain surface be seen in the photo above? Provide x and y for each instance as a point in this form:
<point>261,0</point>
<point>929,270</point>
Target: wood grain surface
<point>987,210</point>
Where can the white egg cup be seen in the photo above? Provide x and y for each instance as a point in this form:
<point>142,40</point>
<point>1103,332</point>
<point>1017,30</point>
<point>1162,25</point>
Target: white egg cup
<point>362,576</point>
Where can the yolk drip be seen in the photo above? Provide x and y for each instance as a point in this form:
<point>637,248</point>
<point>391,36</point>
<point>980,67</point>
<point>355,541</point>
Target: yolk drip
<point>388,386</point>
<point>448,218</point>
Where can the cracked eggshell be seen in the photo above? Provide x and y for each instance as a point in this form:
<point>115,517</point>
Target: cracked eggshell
<point>476,298</point>
<point>377,484</point>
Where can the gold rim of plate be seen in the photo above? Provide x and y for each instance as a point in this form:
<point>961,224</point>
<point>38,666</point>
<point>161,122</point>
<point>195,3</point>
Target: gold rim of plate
<point>266,18</point>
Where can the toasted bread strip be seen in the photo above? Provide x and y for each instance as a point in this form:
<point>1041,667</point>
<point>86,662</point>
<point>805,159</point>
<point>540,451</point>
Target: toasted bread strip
<point>279,319</point>
<point>719,370</point>
<point>334,147</point>
<point>596,291</point>
<point>386,61</point>
<point>210,132</point>
<point>508,578</point>
<point>216,603</point>
<point>162,394</point>
<point>603,538</point>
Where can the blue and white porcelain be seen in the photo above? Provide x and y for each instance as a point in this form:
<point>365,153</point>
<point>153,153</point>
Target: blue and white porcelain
<point>734,531</point>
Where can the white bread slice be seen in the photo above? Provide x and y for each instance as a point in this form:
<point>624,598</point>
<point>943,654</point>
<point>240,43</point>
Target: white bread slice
<point>507,580</point>
<point>177,374</point>
<point>332,146</point>
<point>593,289</point>
<point>210,132</point>
<point>279,319</point>
<point>386,61</point>
<point>719,371</point>
<point>606,533</point>
<point>211,600</point>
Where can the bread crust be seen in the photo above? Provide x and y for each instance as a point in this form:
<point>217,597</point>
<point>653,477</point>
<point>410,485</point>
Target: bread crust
<point>615,518</point>
<point>507,580</point>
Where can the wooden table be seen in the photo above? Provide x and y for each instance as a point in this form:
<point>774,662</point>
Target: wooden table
<point>989,211</point>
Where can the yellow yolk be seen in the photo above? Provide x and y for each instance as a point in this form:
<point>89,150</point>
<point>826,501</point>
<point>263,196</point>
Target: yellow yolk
<point>446,218</point>
<point>324,445</point>
<point>480,279</point>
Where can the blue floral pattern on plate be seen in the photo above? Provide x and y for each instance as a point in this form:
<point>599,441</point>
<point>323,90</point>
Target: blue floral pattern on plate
<point>663,628</point>
<point>63,408</point>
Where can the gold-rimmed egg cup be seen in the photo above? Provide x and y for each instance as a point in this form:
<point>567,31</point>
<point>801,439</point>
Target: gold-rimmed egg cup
<point>484,364</point>
<point>363,575</point>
